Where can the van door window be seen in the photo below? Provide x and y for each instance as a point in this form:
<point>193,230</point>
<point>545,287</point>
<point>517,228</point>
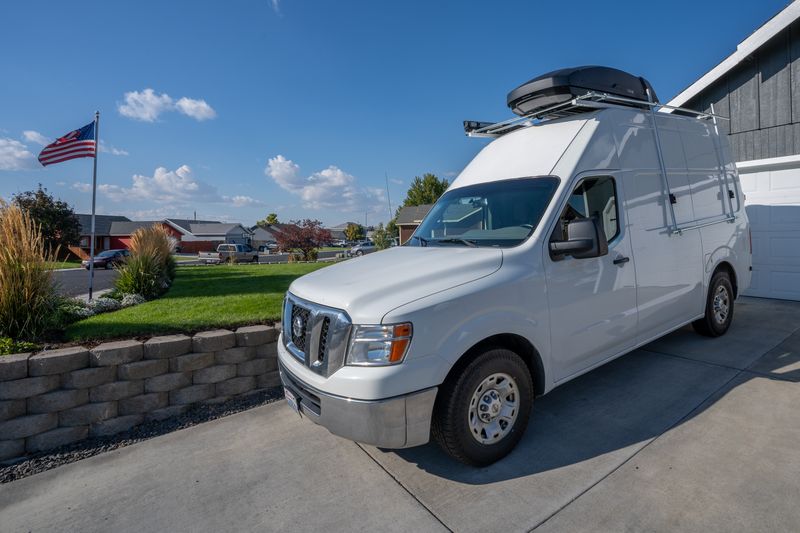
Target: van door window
<point>593,197</point>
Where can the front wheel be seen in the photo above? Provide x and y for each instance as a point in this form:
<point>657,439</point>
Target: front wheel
<point>719,307</point>
<point>482,413</point>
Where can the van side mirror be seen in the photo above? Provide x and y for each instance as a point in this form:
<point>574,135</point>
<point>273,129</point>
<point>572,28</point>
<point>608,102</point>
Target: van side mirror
<point>585,239</point>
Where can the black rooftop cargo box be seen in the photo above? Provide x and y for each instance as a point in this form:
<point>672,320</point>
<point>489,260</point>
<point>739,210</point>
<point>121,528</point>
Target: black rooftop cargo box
<point>563,85</point>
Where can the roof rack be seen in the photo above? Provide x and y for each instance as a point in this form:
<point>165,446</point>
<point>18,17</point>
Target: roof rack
<point>580,104</point>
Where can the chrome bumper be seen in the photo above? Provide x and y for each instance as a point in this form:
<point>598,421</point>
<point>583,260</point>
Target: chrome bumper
<point>399,422</point>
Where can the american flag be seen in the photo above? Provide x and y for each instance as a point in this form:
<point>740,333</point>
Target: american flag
<point>78,143</point>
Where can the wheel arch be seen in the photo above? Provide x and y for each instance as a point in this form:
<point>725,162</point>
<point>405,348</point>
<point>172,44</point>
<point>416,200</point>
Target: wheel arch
<point>510,341</point>
<point>725,266</point>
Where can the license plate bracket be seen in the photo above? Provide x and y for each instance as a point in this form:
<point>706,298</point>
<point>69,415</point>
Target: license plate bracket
<point>291,399</point>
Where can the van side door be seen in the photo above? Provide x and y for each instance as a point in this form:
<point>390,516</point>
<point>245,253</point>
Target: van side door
<point>592,301</point>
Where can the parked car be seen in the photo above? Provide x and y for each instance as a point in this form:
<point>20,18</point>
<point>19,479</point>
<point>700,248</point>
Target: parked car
<point>108,259</point>
<point>268,248</point>
<point>229,253</point>
<point>361,248</point>
<point>563,245</point>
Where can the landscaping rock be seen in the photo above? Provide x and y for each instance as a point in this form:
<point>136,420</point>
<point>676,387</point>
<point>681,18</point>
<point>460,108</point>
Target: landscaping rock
<point>191,394</point>
<point>56,437</point>
<point>215,400</point>
<point>143,403</point>
<point>114,425</point>
<point>11,409</point>
<point>267,351</point>
<point>116,353</point>
<point>10,449</point>
<point>232,356</point>
<point>59,400</point>
<point>213,341</point>
<point>115,390</point>
<point>14,366</point>
<point>168,382</point>
<point>25,426</point>
<point>143,369</point>
<point>255,335</point>
<point>27,387</point>
<point>58,361</point>
<point>214,374</point>
<point>167,346</point>
<point>252,368</point>
<point>87,414</point>
<point>192,361</point>
<point>88,377</point>
<point>235,386</point>
<point>271,379</point>
<point>166,412</point>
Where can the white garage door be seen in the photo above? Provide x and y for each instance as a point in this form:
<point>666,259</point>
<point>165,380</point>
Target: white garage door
<point>772,190</point>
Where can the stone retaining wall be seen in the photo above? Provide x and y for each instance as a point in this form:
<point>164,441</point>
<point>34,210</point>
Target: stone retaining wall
<point>58,397</point>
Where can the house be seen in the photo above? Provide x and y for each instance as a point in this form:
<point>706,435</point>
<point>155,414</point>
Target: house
<point>102,226</point>
<point>262,236</point>
<point>206,237</point>
<point>337,231</point>
<point>408,218</point>
<point>121,231</point>
<point>758,88</point>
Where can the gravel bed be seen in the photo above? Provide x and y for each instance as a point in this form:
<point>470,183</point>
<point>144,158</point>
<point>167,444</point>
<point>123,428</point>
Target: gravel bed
<point>35,463</point>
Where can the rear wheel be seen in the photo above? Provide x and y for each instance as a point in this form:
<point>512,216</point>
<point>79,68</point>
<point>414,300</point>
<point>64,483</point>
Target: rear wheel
<point>482,413</point>
<point>255,259</point>
<point>719,307</point>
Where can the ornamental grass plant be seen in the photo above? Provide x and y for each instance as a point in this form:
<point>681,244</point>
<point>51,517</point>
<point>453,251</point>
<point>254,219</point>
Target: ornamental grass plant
<point>27,294</point>
<point>150,269</point>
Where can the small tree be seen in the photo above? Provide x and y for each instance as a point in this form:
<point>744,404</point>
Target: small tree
<point>354,232</point>
<point>392,229</point>
<point>56,219</point>
<point>303,237</point>
<point>381,238</point>
<point>272,218</point>
<point>425,190</point>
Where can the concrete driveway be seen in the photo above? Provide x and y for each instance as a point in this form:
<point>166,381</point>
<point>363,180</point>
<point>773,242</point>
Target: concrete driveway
<point>688,433</point>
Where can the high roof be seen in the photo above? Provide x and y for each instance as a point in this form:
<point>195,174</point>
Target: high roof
<point>126,227</point>
<point>767,31</point>
<point>102,223</point>
<point>186,224</point>
<point>215,228</point>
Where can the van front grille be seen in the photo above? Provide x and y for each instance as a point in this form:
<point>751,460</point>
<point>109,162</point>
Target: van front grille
<point>315,335</point>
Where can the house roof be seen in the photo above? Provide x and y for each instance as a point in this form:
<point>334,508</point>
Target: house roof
<point>102,223</point>
<point>125,228</point>
<point>412,214</point>
<point>341,226</point>
<point>186,224</point>
<point>217,228</point>
<point>767,31</point>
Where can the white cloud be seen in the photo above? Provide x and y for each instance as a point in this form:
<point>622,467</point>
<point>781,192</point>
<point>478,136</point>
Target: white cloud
<point>243,201</point>
<point>396,181</point>
<point>15,156</point>
<point>276,5</point>
<point>36,137</point>
<point>147,106</point>
<point>329,188</point>
<point>197,109</point>
<point>164,186</point>
<point>104,148</point>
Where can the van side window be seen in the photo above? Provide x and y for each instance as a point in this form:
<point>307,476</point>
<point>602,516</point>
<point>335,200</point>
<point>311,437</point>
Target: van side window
<point>593,197</point>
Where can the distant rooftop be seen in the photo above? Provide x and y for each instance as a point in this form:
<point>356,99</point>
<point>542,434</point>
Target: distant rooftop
<point>102,223</point>
<point>413,214</point>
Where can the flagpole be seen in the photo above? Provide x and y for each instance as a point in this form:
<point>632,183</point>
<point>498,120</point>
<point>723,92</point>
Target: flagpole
<point>94,198</point>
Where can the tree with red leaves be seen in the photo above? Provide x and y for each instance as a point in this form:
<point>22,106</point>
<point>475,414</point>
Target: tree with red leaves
<point>302,238</point>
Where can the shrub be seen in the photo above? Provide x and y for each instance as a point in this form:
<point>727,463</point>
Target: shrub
<point>104,305</point>
<point>129,300</point>
<point>9,346</point>
<point>150,268</point>
<point>27,294</point>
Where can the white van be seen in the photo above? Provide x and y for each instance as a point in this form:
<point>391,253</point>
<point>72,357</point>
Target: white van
<point>588,227</point>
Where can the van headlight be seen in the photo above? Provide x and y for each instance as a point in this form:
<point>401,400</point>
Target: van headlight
<point>379,345</point>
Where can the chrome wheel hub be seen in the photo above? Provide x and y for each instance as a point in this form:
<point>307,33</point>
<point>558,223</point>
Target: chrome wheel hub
<point>721,305</point>
<point>493,408</point>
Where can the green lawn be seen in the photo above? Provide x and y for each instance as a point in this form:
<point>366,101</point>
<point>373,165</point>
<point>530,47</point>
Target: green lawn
<point>69,263</point>
<point>202,297</point>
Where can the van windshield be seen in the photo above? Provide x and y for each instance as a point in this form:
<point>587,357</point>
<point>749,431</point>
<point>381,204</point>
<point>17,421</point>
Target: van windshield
<point>499,213</point>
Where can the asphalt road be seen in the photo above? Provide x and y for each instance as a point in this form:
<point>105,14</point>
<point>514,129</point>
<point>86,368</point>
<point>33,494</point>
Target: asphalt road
<point>75,282</point>
<point>685,434</point>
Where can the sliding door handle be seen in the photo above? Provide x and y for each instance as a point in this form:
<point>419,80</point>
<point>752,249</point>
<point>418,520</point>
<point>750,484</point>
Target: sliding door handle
<point>621,260</point>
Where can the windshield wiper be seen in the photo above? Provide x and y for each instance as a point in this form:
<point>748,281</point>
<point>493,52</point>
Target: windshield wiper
<point>422,241</point>
<point>468,242</point>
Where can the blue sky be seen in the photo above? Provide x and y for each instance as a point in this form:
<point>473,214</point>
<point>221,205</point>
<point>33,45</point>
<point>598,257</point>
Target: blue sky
<point>236,109</point>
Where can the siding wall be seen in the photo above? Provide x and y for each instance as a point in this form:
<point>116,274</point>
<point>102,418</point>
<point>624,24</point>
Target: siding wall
<point>762,98</point>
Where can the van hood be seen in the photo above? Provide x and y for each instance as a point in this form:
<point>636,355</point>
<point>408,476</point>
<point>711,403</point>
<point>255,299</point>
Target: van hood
<point>368,287</point>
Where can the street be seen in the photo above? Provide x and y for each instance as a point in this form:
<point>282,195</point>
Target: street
<point>75,281</point>
<point>685,434</point>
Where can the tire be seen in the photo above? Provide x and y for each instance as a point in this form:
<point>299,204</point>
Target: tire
<point>255,259</point>
<point>719,307</point>
<point>359,253</point>
<point>457,425</point>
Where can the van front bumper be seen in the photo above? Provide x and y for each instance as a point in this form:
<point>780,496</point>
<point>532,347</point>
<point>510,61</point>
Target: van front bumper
<point>399,422</point>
